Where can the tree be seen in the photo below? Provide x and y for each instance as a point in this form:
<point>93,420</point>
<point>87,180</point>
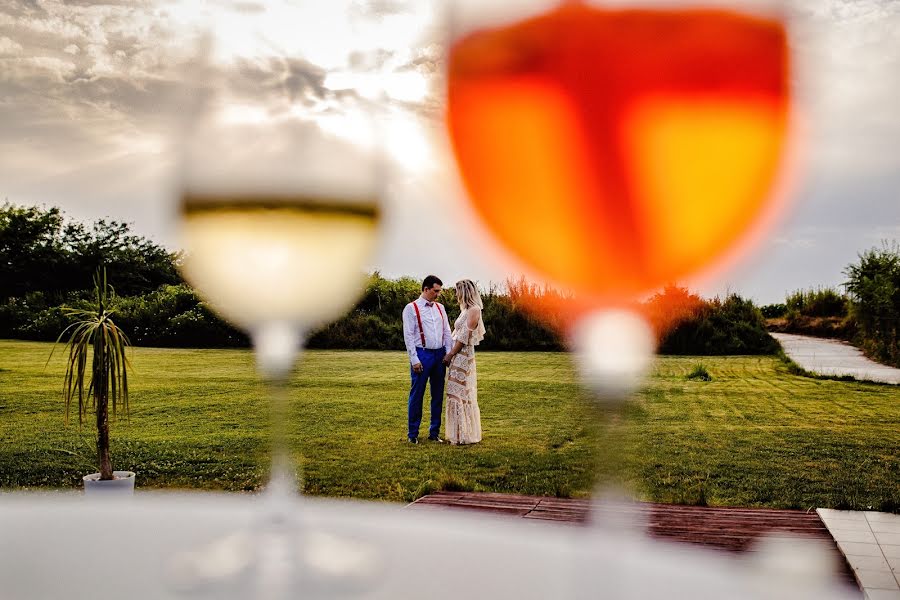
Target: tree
<point>873,284</point>
<point>136,264</point>
<point>41,252</point>
<point>32,251</point>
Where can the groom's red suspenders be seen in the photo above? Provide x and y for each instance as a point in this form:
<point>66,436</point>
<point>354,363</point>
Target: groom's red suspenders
<point>419,319</point>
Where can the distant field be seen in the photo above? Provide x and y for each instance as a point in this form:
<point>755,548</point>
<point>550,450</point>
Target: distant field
<point>755,435</point>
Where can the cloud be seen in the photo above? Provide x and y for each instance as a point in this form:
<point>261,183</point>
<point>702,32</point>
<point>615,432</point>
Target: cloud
<point>848,61</point>
<point>841,200</point>
<point>44,68</point>
<point>88,80</point>
<point>795,242</point>
<point>277,80</point>
<point>9,47</point>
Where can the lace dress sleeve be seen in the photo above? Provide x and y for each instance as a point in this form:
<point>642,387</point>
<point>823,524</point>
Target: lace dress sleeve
<point>466,335</point>
<point>461,332</point>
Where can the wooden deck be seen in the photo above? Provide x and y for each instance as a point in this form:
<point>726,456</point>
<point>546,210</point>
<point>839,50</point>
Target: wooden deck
<point>728,529</point>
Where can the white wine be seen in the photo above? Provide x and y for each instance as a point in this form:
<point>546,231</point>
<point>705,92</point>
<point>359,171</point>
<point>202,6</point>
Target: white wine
<point>260,260</point>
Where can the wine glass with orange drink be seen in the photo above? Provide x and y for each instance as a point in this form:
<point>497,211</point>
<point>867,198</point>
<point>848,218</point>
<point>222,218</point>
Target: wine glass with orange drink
<point>617,147</point>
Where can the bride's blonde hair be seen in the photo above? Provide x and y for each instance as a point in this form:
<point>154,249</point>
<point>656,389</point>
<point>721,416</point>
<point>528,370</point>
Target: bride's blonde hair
<point>467,294</point>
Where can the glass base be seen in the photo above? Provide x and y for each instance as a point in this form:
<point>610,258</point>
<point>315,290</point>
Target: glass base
<point>278,557</point>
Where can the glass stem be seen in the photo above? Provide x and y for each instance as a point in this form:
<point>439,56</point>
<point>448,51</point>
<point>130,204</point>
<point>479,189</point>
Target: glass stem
<point>282,478</point>
<point>277,347</point>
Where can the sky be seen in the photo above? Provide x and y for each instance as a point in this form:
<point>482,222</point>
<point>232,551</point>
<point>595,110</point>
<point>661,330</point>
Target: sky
<point>90,109</point>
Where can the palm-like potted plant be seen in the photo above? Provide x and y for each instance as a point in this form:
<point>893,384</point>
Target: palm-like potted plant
<point>96,337</point>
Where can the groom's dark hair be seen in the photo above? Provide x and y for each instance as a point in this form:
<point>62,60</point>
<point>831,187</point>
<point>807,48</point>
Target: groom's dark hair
<point>429,282</point>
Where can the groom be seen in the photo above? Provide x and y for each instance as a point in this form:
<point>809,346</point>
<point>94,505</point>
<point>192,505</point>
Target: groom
<point>426,331</point>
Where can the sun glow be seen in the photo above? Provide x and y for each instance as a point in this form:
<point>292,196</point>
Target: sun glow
<point>399,134</point>
<point>410,86</point>
<point>244,114</point>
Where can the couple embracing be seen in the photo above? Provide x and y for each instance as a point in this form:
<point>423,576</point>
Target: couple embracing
<point>433,350</point>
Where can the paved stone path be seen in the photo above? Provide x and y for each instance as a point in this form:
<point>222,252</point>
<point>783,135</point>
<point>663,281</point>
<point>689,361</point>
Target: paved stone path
<point>870,542</point>
<point>834,357</point>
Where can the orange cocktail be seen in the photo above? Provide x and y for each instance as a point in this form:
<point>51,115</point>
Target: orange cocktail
<point>618,150</point>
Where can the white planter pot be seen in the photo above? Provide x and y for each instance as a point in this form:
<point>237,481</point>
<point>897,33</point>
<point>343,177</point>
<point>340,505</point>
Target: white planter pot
<point>122,485</point>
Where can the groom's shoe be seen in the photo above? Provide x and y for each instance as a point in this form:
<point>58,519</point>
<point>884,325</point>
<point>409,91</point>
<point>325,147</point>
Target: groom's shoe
<point>412,440</point>
<point>436,439</point>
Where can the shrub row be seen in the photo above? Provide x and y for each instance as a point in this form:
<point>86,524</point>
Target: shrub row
<point>175,316</point>
<point>690,325</point>
<point>820,312</point>
<point>171,316</point>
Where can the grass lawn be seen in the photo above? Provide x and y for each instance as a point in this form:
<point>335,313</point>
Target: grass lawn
<point>753,436</point>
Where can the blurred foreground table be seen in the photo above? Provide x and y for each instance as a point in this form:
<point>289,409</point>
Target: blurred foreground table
<point>160,546</point>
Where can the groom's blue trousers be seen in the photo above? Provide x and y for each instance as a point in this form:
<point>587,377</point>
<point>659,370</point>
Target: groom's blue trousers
<point>433,370</point>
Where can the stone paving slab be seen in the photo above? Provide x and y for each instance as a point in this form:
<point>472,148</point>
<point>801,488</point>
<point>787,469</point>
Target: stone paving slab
<point>867,540</point>
<point>834,357</point>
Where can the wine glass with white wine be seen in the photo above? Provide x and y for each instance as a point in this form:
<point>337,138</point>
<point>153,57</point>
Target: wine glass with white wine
<point>279,203</point>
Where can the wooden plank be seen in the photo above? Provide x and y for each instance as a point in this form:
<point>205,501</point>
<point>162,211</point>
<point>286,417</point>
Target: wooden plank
<point>734,530</point>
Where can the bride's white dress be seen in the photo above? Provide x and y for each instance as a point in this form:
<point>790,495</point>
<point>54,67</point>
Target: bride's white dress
<point>463,419</point>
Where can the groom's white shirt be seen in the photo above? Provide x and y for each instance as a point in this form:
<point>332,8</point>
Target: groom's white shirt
<point>436,329</point>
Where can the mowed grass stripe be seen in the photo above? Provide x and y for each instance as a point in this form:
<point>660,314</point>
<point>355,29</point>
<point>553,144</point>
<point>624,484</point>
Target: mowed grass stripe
<point>753,436</point>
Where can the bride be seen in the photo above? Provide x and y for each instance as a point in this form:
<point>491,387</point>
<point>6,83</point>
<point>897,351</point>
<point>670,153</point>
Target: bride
<point>463,421</point>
